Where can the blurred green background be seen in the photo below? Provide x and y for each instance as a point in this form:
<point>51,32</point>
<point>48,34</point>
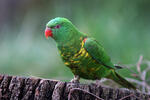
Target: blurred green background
<point>121,26</point>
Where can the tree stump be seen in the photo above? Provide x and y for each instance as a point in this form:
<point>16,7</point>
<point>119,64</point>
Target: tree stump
<point>22,88</point>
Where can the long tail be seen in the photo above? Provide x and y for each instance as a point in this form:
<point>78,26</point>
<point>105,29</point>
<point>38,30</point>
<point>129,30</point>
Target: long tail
<point>120,80</point>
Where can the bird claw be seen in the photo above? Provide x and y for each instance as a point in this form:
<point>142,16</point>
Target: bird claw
<point>75,79</point>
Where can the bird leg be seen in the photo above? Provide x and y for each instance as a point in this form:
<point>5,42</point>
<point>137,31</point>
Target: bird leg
<point>75,79</point>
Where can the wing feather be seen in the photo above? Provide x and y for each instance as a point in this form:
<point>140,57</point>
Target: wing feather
<point>98,53</point>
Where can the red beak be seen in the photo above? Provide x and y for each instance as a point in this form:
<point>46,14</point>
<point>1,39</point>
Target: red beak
<point>48,32</point>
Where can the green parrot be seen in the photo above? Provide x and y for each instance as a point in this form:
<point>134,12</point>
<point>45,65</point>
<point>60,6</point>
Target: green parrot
<point>82,54</point>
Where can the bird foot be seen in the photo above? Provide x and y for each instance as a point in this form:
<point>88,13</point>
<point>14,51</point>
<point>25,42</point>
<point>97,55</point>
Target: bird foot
<point>75,79</point>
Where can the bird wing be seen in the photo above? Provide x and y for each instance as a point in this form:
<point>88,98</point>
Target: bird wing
<point>97,52</point>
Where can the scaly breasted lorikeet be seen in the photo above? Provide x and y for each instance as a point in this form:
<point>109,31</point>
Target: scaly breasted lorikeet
<point>82,54</point>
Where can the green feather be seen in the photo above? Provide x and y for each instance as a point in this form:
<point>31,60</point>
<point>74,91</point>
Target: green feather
<point>98,53</point>
<point>87,59</point>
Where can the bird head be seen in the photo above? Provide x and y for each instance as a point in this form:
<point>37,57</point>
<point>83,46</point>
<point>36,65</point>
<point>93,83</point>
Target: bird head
<point>60,29</point>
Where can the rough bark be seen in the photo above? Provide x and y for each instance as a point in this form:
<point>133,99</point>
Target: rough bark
<point>22,88</point>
